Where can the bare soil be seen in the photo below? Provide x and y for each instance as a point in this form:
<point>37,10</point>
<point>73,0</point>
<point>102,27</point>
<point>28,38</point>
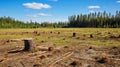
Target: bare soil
<point>76,55</point>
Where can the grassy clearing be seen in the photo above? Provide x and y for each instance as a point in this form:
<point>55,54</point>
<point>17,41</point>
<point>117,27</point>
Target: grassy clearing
<point>65,36</point>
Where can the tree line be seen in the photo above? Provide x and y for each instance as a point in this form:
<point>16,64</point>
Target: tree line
<point>8,22</point>
<point>96,20</point>
<point>91,20</point>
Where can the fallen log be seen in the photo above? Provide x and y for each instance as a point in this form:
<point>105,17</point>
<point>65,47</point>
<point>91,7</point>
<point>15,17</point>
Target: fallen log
<point>66,55</point>
<point>45,48</point>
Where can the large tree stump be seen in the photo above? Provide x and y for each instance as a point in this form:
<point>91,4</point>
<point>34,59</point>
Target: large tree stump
<point>28,45</point>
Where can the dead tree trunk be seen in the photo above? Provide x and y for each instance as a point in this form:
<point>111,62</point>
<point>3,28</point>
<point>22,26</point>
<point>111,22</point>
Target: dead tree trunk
<point>28,45</point>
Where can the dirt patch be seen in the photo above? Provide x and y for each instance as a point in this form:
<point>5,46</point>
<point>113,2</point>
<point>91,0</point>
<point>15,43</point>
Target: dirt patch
<point>81,55</point>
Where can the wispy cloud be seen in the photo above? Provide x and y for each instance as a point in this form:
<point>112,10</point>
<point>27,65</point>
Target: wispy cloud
<point>35,5</point>
<point>39,15</point>
<point>53,0</point>
<point>94,7</point>
<point>118,1</point>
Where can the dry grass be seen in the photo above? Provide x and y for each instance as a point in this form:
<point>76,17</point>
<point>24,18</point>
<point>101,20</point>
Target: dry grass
<point>87,43</point>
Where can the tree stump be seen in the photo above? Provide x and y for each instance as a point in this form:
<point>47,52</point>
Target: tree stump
<point>51,32</point>
<point>74,34</point>
<point>91,36</point>
<point>58,32</point>
<point>35,32</point>
<point>28,45</point>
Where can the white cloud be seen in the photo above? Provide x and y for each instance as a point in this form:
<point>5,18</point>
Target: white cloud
<point>39,15</point>
<point>53,0</point>
<point>94,7</point>
<point>42,14</point>
<point>118,1</point>
<point>35,5</point>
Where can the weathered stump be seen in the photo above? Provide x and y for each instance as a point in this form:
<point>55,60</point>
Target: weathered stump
<point>74,34</point>
<point>51,32</point>
<point>35,32</point>
<point>28,45</point>
<point>58,32</point>
<point>91,36</point>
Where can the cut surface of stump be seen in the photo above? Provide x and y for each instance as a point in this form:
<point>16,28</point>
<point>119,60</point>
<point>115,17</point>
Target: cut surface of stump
<point>28,45</point>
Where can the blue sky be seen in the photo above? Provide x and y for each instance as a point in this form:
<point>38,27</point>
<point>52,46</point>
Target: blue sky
<point>54,10</point>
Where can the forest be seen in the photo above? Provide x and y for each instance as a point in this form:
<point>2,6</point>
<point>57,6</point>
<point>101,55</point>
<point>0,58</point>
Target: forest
<point>8,22</point>
<point>91,20</point>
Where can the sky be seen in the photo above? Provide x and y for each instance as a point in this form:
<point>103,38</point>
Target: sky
<point>54,10</point>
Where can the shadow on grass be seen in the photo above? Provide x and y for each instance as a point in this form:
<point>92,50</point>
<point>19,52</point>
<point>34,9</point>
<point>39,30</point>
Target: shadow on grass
<point>15,51</point>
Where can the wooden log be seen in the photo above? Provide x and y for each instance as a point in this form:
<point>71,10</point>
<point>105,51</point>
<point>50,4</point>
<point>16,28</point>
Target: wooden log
<point>15,40</point>
<point>2,59</point>
<point>42,48</point>
<point>28,45</point>
<point>45,48</point>
<point>58,59</point>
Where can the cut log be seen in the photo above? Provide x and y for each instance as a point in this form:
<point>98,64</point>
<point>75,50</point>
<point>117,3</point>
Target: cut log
<point>45,48</point>
<point>2,59</point>
<point>28,45</point>
<point>15,40</point>
<point>42,48</point>
<point>58,59</point>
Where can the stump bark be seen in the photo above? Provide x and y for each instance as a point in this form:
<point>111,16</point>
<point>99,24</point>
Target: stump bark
<point>28,45</point>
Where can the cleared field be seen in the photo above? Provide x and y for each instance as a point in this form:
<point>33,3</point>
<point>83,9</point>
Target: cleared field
<point>81,46</point>
<point>63,36</point>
